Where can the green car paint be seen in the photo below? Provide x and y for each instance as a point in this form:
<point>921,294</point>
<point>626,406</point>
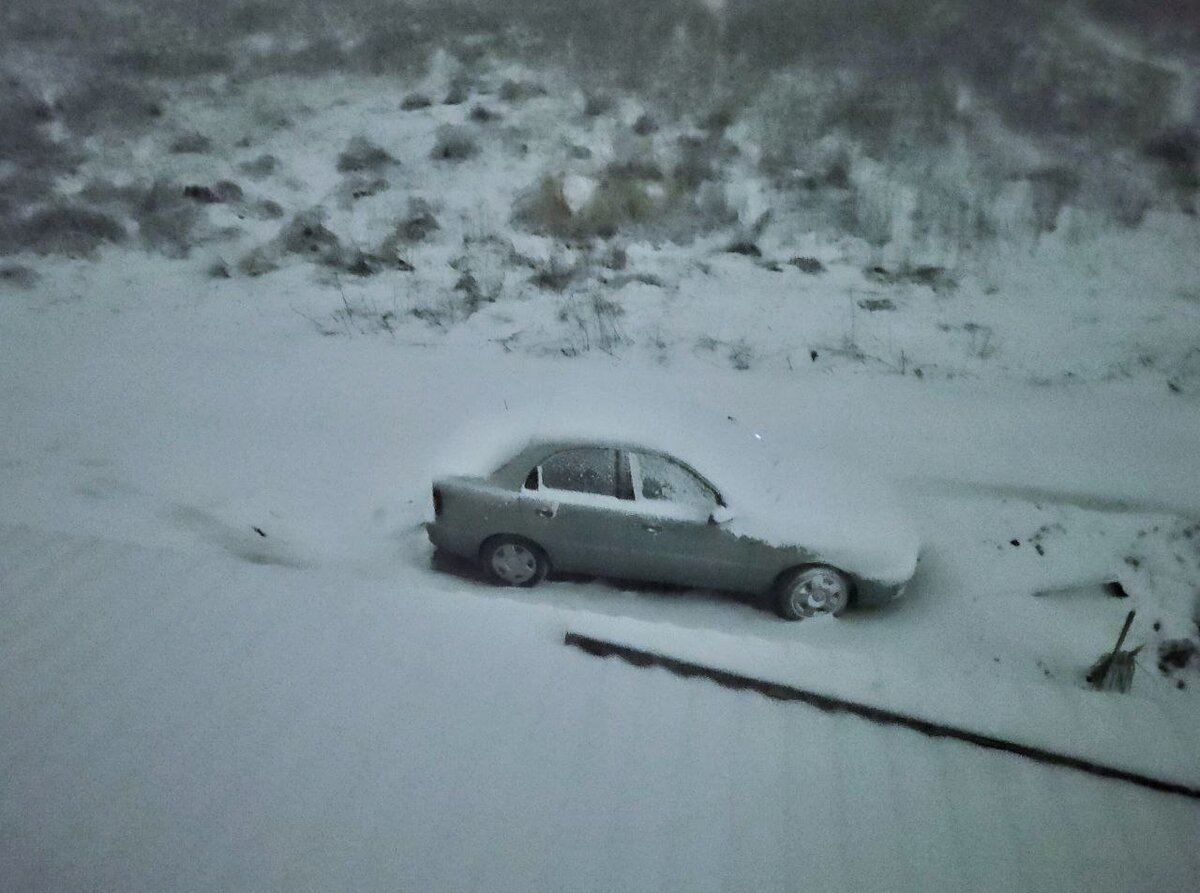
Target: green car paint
<point>626,537</point>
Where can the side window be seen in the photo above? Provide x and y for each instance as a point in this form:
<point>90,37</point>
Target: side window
<point>665,479</point>
<point>587,470</point>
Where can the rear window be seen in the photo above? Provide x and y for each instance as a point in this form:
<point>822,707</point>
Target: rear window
<point>584,470</point>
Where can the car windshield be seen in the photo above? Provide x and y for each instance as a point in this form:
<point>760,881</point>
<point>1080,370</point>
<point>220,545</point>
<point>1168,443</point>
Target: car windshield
<point>665,479</point>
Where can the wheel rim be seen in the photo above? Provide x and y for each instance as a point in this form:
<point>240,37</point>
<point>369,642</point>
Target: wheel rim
<point>819,591</point>
<point>514,564</point>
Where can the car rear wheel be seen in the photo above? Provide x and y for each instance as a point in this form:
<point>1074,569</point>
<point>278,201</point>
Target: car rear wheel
<point>513,561</point>
<point>808,591</point>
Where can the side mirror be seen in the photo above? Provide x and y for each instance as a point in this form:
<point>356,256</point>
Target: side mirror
<point>720,515</point>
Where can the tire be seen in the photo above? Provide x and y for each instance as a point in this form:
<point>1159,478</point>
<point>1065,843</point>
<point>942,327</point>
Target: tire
<point>513,561</point>
<point>808,591</point>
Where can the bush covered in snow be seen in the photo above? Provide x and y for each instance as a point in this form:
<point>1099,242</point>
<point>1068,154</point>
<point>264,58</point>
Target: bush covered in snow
<point>60,229</point>
<point>191,143</point>
<point>454,143</point>
<point>361,155</point>
<point>166,216</point>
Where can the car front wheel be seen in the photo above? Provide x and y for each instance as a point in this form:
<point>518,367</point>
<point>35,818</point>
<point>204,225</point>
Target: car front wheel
<point>513,561</point>
<point>808,591</point>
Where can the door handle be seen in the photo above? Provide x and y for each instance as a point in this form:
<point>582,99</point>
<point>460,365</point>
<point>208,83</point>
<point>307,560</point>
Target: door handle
<point>653,528</point>
<point>546,512</point>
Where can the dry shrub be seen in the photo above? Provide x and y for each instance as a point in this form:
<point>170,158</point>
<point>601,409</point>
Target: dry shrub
<point>29,160</point>
<point>809,265</point>
<point>454,143</point>
<point>191,143</point>
<point>557,274</point>
<point>103,101</point>
<point>221,192</point>
<point>519,91</point>
<point>594,323</point>
<point>542,209</point>
<point>937,278</point>
<point>458,92</point>
<point>617,203</point>
<point>698,161</point>
<point>61,229</point>
<point>357,187</point>
<point>166,218</point>
<point>266,209</point>
<point>417,226</point>
<point>259,261</point>
<point>644,125</point>
<point>361,154</point>
<point>397,46</point>
<point>18,276</point>
<point>481,114</point>
<point>597,104</point>
<point>414,101</point>
<point>259,168</point>
<point>1050,189</point>
<point>310,57</point>
<point>628,198</point>
<point>306,234</point>
<point>175,60</point>
<point>741,355</point>
<point>1177,154</point>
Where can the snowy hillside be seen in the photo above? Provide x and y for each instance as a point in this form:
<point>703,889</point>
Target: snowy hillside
<point>264,274</point>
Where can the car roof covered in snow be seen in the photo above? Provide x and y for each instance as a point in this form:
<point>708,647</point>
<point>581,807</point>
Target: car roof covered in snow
<point>511,474</point>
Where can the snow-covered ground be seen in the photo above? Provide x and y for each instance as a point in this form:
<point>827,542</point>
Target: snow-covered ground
<point>228,662</point>
<point>191,704</point>
<point>190,721</point>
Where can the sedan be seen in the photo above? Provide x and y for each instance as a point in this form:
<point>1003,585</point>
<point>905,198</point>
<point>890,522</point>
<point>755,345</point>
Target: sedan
<point>631,512</point>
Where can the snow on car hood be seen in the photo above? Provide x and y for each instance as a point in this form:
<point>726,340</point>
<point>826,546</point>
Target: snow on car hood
<point>785,493</point>
<point>849,518</point>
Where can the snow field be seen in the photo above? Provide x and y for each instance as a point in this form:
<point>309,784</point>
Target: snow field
<point>255,728</point>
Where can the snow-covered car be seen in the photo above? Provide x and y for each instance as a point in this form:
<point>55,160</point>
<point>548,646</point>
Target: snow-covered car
<point>631,512</point>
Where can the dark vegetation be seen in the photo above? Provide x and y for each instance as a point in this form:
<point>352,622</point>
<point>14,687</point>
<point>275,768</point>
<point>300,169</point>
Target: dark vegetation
<point>454,143</point>
<point>259,168</point>
<point>362,155</point>
<point>903,59</point>
<point>307,236</point>
<point>18,276</point>
<point>824,86</point>
<point>61,229</point>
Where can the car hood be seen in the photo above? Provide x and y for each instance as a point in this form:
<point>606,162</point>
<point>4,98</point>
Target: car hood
<point>846,517</point>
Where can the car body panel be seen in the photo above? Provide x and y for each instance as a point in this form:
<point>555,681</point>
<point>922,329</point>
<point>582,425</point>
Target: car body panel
<point>674,545</point>
<point>584,533</point>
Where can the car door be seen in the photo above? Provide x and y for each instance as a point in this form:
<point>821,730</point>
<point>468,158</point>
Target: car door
<point>576,505</point>
<point>674,506</point>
